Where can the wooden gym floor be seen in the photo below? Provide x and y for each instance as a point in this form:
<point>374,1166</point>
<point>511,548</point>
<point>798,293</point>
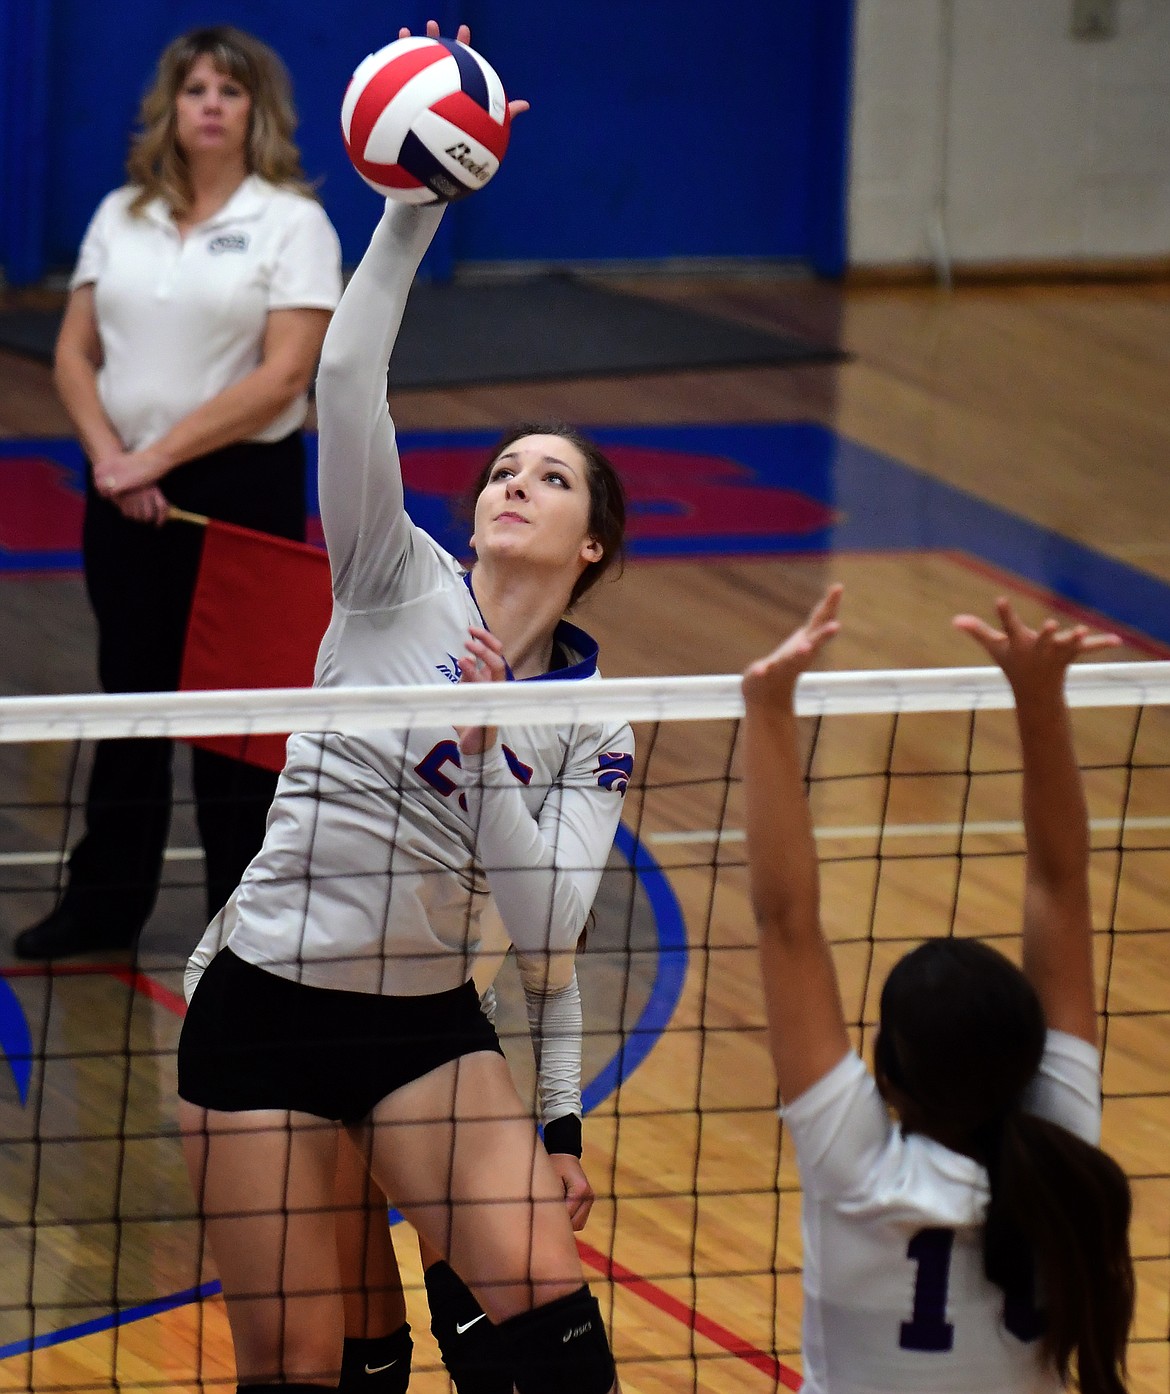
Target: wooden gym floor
<point>1049,403</point>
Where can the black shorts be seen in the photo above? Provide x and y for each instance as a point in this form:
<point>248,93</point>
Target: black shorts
<point>252,1040</point>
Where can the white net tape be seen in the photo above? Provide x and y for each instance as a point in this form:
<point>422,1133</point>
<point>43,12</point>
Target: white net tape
<point>705,697</point>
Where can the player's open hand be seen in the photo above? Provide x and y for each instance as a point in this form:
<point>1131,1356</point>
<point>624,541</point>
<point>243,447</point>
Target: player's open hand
<point>771,681</point>
<point>1032,659</point>
<point>483,662</point>
<point>463,36</point>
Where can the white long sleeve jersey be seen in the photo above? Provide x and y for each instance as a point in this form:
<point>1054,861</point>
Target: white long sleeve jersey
<point>380,849</point>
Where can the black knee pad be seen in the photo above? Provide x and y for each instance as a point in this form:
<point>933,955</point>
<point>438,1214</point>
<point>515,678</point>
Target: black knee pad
<point>468,1342</point>
<point>378,1365</point>
<point>561,1346</point>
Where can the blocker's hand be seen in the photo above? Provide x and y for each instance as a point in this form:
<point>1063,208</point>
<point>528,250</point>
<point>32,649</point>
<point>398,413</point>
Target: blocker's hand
<point>463,36</point>
<point>771,681</point>
<point>1033,659</point>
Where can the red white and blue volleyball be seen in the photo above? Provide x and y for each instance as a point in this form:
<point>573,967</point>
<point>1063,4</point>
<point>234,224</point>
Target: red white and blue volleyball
<point>425,120</point>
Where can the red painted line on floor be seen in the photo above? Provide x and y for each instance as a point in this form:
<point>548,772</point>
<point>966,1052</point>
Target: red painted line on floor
<point>1008,580</point>
<point>134,978</point>
<point>149,987</point>
<point>689,1316</point>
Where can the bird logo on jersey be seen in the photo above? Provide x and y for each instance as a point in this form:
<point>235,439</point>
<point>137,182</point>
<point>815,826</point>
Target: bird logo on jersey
<point>614,771</point>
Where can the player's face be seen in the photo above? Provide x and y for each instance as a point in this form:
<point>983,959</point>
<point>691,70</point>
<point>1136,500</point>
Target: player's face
<point>212,112</point>
<point>535,506</point>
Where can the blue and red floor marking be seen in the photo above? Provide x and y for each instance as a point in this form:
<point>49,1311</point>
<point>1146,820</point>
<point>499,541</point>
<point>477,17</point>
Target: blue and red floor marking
<point>695,492</point>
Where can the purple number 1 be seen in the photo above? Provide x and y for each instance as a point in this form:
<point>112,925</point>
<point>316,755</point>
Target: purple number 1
<point>928,1328</point>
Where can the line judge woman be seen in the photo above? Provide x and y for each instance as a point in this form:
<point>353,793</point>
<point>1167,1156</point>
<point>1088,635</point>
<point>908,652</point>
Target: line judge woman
<point>197,310</point>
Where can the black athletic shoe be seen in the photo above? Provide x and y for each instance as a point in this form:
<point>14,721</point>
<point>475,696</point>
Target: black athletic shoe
<point>62,935</point>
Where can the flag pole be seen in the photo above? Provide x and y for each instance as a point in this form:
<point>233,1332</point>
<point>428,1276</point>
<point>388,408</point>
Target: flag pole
<point>181,515</point>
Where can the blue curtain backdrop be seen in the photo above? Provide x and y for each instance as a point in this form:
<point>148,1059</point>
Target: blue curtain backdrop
<point>657,130</point>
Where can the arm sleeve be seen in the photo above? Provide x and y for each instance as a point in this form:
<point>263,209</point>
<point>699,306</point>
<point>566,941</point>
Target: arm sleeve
<point>544,872</point>
<point>307,275</point>
<point>213,940</point>
<point>360,481</point>
<point>1067,1087</point>
<point>556,1027</point>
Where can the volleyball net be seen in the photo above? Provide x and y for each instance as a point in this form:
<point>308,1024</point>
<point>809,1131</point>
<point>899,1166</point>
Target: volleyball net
<point>694,1244</point>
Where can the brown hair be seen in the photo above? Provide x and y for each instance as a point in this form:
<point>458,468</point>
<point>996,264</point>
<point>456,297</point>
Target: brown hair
<point>607,497</point>
<point>156,164</point>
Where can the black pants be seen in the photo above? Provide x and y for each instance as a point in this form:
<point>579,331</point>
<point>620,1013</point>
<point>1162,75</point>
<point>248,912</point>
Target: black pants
<point>140,581</point>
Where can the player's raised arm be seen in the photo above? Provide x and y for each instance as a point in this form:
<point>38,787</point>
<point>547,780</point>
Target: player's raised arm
<point>360,479</point>
<point>1058,956</point>
<point>806,1022</point>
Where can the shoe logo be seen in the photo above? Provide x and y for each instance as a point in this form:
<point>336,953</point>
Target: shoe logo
<point>576,1331</point>
<point>377,1369</point>
<point>462,1326</point>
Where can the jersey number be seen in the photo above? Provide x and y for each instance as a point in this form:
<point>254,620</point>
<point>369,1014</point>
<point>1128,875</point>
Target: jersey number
<point>928,1328</point>
<point>430,768</point>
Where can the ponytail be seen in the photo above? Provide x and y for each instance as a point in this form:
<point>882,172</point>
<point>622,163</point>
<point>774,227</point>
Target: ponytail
<point>1059,1214</point>
<point>962,1035</point>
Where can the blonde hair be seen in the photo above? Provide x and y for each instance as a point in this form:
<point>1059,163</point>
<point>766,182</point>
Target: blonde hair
<point>158,166</point>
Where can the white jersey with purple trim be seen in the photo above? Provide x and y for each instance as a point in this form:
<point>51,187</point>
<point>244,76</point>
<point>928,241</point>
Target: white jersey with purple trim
<point>895,1297</point>
<point>380,849</point>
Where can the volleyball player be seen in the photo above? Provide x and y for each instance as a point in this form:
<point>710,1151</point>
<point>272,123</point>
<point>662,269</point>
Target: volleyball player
<point>377,1350</point>
<point>979,1241</point>
<point>375,1307</point>
<point>343,992</point>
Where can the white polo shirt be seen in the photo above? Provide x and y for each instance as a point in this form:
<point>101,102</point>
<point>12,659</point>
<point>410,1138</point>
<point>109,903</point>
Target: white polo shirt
<point>181,319</point>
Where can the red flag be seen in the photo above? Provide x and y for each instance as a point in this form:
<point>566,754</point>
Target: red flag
<point>260,607</point>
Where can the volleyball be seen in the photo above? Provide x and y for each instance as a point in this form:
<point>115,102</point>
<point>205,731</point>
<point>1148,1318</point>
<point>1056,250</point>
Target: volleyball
<point>425,120</point>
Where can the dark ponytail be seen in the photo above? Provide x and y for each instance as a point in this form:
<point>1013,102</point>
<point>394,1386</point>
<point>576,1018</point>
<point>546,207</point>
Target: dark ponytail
<point>1058,1225</point>
<point>962,1035</point>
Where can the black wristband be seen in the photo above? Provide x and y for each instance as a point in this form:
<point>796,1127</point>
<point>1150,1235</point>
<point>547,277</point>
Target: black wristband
<point>563,1135</point>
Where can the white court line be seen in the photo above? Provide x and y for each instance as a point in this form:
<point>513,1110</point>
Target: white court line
<point>860,832</point>
<point>869,831</point>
